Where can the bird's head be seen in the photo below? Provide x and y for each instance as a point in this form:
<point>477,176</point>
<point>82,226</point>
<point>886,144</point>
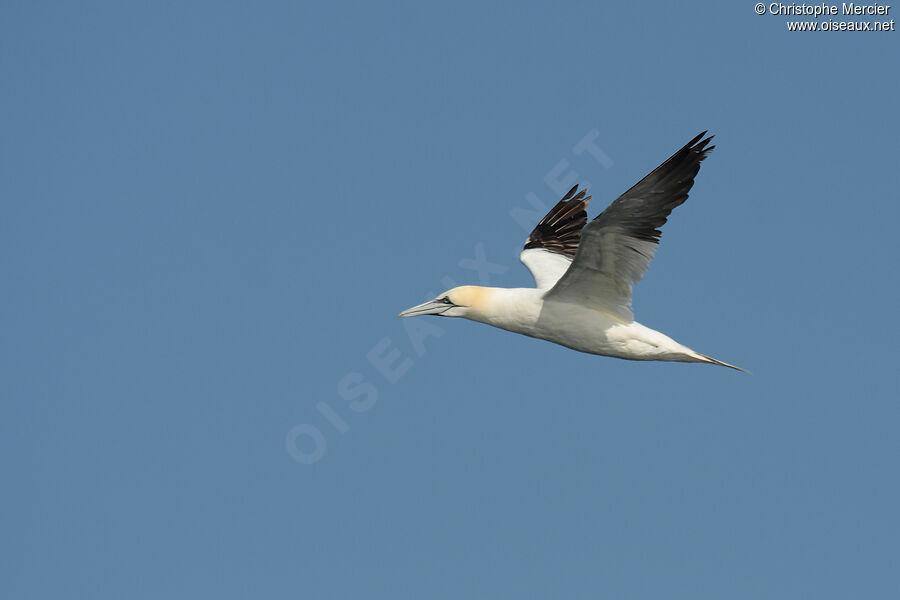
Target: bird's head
<point>464,301</point>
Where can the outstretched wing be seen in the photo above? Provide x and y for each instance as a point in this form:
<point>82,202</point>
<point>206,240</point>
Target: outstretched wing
<point>617,246</point>
<point>550,248</point>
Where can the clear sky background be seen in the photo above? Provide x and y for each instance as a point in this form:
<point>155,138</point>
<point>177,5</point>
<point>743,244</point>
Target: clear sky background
<point>211,214</point>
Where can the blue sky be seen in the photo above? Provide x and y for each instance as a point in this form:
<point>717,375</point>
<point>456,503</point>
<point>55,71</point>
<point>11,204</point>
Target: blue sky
<point>212,213</point>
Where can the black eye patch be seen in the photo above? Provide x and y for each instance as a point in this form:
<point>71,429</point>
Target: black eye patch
<point>446,300</point>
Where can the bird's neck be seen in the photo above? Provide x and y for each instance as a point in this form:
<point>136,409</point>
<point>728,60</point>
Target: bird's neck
<point>514,309</point>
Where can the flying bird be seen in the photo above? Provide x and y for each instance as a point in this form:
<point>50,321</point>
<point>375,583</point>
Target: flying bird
<point>584,273</point>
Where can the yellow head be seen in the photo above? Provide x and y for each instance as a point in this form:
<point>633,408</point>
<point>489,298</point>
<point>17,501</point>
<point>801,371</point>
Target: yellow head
<point>463,301</point>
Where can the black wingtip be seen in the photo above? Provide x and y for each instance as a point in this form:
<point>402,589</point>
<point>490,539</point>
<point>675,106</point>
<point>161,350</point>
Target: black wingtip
<point>560,230</point>
<point>700,145</point>
<point>569,193</point>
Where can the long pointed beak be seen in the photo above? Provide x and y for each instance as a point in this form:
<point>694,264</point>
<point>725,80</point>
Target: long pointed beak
<point>428,308</point>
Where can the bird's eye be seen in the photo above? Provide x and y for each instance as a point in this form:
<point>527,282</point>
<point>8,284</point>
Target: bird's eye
<point>446,300</point>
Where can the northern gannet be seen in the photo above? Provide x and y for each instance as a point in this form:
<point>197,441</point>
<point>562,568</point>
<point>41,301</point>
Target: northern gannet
<point>584,273</point>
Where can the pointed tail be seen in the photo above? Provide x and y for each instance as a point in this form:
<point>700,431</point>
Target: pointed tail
<point>713,361</point>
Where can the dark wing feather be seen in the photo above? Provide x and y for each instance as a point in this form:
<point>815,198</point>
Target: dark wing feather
<point>617,246</point>
<point>645,207</point>
<point>560,230</point>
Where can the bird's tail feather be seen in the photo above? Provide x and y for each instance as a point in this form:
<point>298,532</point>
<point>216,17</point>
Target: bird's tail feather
<point>713,361</point>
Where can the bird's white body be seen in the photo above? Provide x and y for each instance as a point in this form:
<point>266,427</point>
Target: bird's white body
<point>526,311</point>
